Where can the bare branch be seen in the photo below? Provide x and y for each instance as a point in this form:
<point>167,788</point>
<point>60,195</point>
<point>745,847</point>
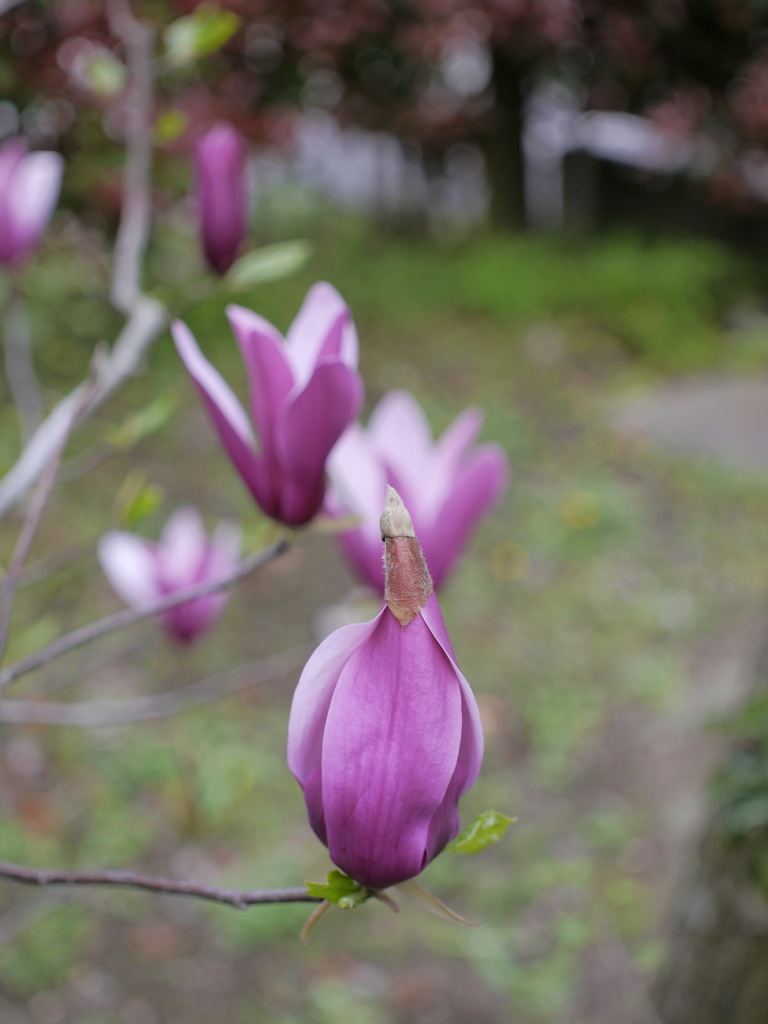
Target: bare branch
<point>19,364</point>
<point>32,522</point>
<point>240,899</point>
<point>89,714</point>
<point>130,616</point>
<point>133,232</point>
<point>147,321</point>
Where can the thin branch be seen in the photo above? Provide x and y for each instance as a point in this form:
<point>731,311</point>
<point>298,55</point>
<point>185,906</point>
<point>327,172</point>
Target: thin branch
<point>89,714</point>
<point>19,363</point>
<point>130,616</point>
<point>240,899</point>
<point>32,522</point>
<point>133,232</point>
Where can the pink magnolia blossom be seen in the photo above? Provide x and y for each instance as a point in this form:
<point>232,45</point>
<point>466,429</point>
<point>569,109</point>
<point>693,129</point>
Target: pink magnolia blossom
<point>29,188</point>
<point>448,485</point>
<point>222,194</point>
<point>304,393</point>
<point>143,572</point>
<point>384,733</point>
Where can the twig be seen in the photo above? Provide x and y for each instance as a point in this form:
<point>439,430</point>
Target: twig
<point>32,522</point>
<point>130,616</point>
<point>19,364</point>
<point>89,714</point>
<point>133,232</point>
<point>240,899</point>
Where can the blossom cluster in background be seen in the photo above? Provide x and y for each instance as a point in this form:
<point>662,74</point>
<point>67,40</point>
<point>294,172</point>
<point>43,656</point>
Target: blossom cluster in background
<point>384,733</point>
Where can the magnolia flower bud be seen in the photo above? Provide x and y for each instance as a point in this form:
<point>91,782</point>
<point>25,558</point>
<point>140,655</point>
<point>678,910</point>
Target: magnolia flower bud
<point>384,734</point>
<point>222,194</point>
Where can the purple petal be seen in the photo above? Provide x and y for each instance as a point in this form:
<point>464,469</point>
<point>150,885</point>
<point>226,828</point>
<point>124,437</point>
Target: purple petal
<point>130,565</point>
<point>182,549</point>
<point>224,550</point>
<point>309,711</point>
<point>403,439</point>
<point>29,187</point>
<point>226,414</point>
<point>34,189</point>
<point>448,456</point>
<point>474,493</point>
<point>269,374</point>
<point>390,749</point>
<point>312,423</point>
<point>357,477</point>
<point>433,617</point>
<point>308,334</point>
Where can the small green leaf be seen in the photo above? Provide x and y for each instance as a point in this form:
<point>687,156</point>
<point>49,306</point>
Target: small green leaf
<point>142,424</point>
<point>269,263</point>
<point>136,499</point>
<point>339,889</point>
<point>485,830</point>
<point>203,32</point>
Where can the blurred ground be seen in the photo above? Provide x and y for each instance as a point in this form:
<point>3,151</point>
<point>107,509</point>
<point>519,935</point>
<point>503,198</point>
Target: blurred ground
<point>605,616</point>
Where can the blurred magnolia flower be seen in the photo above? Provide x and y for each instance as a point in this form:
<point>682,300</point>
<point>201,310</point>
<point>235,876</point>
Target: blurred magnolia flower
<point>448,485</point>
<point>304,393</point>
<point>29,188</point>
<point>384,734</point>
<point>143,572</point>
<point>222,194</point>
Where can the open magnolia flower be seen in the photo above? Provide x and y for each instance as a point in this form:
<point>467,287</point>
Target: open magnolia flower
<point>448,485</point>
<point>384,733</point>
<point>304,391</point>
<point>143,572</point>
<point>29,188</point>
<point>222,194</point>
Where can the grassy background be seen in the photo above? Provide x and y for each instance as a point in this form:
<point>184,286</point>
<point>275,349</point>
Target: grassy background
<point>582,617</point>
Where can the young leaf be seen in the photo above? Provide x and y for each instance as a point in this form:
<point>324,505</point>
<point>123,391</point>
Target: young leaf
<point>143,423</point>
<point>339,889</point>
<point>268,264</point>
<point>136,499</point>
<point>204,31</point>
<point>485,830</point>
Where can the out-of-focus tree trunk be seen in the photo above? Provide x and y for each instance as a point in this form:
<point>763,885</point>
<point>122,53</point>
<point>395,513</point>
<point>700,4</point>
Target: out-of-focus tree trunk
<point>502,145</point>
<point>716,969</point>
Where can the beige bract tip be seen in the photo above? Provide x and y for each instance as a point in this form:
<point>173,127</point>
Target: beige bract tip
<point>395,519</point>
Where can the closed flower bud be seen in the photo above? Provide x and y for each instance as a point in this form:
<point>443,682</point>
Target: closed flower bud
<point>222,194</point>
<point>448,485</point>
<point>384,733</point>
<point>29,188</point>
<point>304,393</point>
<point>143,572</point>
